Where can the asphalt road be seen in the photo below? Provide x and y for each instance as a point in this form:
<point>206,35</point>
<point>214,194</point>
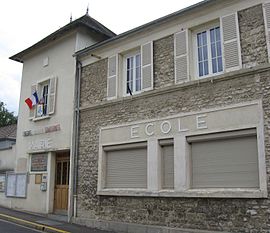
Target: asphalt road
<point>8,227</point>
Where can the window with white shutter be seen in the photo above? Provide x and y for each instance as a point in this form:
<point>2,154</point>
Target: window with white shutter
<point>231,42</point>
<point>52,95</point>
<point>181,62</point>
<point>112,79</point>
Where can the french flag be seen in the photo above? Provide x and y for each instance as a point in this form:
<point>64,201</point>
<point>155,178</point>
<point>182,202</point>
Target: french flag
<point>32,101</point>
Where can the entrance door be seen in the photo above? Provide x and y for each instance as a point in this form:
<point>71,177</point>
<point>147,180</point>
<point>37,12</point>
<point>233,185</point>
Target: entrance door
<point>61,182</point>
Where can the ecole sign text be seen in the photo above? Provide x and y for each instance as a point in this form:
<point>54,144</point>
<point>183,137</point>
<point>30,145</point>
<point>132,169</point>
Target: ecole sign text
<point>166,127</point>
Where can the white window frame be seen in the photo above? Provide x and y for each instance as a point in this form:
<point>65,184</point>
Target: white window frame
<point>40,85</point>
<point>125,57</point>
<point>206,28</point>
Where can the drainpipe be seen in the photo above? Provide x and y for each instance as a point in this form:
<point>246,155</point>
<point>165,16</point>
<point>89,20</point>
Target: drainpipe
<point>75,141</point>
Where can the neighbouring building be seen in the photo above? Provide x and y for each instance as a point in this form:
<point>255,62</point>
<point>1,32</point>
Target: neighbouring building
<point>42,178</point>
<point>7,157</point>
<point>174,123</point>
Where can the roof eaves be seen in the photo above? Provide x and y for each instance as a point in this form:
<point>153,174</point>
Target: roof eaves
<point>58,33</point>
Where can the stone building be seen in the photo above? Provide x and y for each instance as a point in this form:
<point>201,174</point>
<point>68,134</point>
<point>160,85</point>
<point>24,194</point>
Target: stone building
<point>174,123</point>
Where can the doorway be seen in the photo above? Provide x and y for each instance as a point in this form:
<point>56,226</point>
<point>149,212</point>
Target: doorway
<point>61,189</point>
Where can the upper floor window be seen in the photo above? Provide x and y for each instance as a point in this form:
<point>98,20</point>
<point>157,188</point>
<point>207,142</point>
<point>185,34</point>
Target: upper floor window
<point>209,52</point>
<point>42,108</point>
<point>133,74</point>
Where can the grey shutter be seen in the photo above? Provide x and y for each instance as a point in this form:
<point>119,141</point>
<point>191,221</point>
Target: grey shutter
<point>266,11</point>
<point>52,93</point>
<point>181,63</point>
<point>167,167</point>
<point>112,77</point>
<point>147,66</point>
<point>126,168</point>
<point>33,110</point>
<point>225,163</point>
<point>231,42</point>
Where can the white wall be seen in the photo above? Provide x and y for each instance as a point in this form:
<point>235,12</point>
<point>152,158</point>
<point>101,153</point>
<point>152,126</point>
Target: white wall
<point>7,159</point>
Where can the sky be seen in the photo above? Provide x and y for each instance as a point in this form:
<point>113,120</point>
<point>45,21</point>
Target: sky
<point>25,22</point>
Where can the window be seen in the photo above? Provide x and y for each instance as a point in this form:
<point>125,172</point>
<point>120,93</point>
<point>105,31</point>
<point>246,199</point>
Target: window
<point>42,108</point>
<point>167,153</point>
<point>225,160</point>
<point>126,166</point>
<point>209,52</point>
<point>133,74</point>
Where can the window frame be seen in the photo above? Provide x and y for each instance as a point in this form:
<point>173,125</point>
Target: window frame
<point>195,32</point>
<point>124,67</point>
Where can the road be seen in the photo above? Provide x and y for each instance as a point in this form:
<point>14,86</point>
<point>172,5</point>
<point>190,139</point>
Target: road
<point>8,227</point>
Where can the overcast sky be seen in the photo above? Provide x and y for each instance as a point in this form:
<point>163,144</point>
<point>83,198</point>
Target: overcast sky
<point>25,22</point>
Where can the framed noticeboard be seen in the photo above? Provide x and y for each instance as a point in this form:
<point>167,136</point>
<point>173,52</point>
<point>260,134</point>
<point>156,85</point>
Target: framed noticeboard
<point>16,184</point>
<point>39,162</point>
<point>2,182</point>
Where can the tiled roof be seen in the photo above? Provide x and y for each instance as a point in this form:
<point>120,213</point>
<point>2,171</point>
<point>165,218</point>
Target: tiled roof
<point>84,21</point>
<point>8,131</point>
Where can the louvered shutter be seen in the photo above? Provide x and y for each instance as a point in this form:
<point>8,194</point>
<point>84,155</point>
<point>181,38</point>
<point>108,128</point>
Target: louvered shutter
<point>52,97</point>
<point>147,66</point>
<point>33,110</point>
<point>112,77</point>
<point>181,63</point>
<point>231,42</point>
<point>266,11</point>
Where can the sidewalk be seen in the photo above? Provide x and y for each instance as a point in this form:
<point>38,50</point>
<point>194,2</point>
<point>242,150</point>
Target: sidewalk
<point>43,223</point>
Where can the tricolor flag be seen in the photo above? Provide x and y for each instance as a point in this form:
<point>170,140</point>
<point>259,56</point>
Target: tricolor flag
<point>32,101</point>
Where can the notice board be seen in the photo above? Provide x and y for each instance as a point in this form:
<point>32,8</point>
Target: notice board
<point>16,184</point>
<point>39,162</point>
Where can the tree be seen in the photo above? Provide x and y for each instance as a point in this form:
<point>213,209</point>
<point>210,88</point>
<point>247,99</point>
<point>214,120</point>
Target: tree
<point>6,117</point>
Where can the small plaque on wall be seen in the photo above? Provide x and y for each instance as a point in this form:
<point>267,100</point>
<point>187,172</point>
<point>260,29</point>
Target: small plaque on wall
<point>38,178</point>
<point>39,162</point>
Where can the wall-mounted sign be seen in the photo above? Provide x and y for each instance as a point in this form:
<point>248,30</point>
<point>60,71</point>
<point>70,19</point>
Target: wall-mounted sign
<point>42,144</point>
<point>39,162</point>
<point>44,130</point>
<point>210,120</point>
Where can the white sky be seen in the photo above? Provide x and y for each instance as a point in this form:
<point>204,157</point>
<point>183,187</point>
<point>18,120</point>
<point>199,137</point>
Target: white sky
<point>25,22</point>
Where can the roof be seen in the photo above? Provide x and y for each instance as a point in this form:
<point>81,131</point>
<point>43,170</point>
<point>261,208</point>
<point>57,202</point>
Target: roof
<point>8,132</point>
<point>84,21</point>
<point>145,26</point>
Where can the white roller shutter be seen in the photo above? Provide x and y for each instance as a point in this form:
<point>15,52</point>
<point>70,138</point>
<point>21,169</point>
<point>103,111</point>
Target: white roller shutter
<point>112,77</point>
<point>225,163</point>
<point>147,66</point>
<point>181,63</point>
<point>126,168</point>
<point>52,95</point>
<point>167,166</point>
<point>231,42</point>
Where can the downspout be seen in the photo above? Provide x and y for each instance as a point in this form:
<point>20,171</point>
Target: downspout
<point>75,139</point>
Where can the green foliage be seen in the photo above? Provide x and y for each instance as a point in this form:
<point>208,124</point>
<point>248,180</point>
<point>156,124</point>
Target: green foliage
<point>6,117</point>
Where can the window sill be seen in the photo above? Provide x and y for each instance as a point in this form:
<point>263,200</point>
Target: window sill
<point>198,193</point>
<point>41,118</point>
